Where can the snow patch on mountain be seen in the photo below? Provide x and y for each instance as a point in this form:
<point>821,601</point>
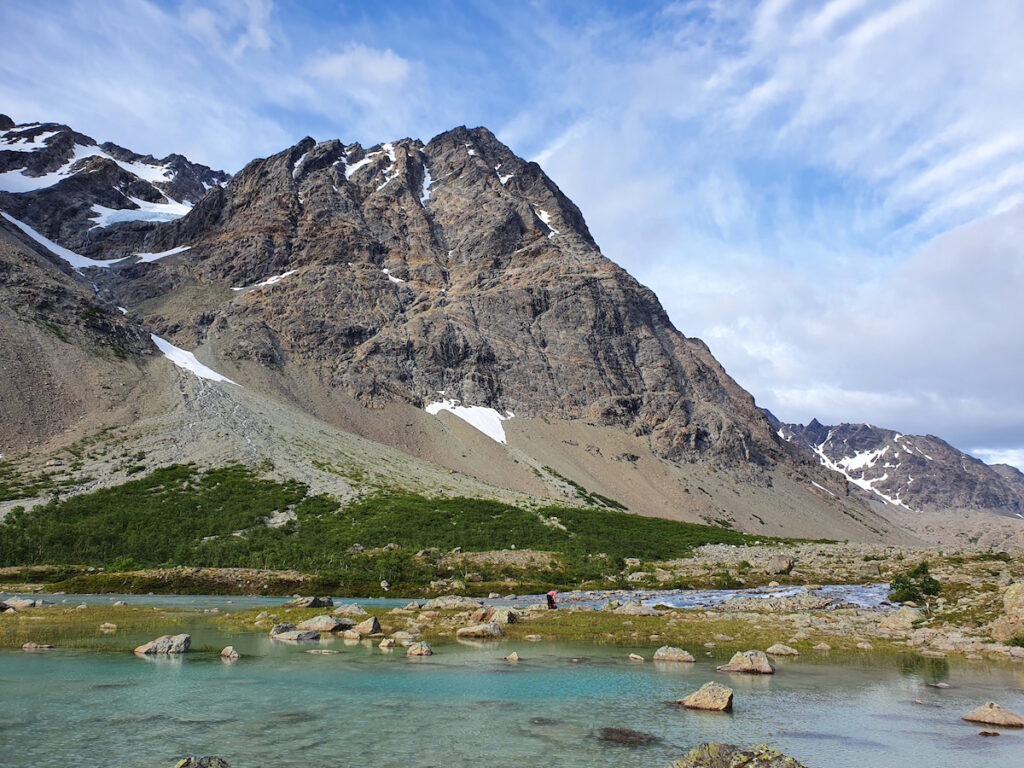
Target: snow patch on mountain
<point>145,211</point>
<point>486,420</point>
<point>187,361</point>
<point>75,260</point>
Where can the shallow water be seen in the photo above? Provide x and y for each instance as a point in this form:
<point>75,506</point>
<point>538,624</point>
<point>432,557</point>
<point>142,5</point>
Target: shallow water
<point>862,595</point>
<point>465,706</point>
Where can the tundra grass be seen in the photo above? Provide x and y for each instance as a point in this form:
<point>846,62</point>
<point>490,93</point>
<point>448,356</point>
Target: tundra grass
<point>233,517</point>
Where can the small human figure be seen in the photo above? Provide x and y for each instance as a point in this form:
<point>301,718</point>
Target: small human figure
<point>551,599</point>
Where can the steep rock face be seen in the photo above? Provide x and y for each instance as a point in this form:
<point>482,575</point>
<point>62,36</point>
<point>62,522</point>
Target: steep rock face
<point>913,471</point>
<point>452,270</point>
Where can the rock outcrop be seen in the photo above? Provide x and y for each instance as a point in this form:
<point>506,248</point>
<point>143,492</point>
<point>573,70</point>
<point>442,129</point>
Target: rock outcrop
<point>713,755</point>
<point>671,653</point>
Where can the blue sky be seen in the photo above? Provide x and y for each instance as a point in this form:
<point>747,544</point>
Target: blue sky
<point>830,194</point>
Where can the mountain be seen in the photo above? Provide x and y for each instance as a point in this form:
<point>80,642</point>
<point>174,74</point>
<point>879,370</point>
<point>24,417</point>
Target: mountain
<point>427,316</point>
<point>71,189</point>
<point>915,472</point>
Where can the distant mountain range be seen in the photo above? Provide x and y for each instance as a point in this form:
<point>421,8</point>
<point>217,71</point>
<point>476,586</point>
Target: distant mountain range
<point>916,472</point>
<point>436,316</point>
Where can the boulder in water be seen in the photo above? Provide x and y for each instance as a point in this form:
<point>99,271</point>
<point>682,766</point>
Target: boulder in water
<point>711,696</point>
<point>671,653</point>
<point>202,762</point>
<point>165,644</point>
<point>750,663</point>
<point>991,713</point>
<point>297,636</point>
<point>35,647</point>
<point>419,649</point>
<point>489,631</point>
<point>229,654</point>
<point>368,627</point>
<point>782,650</point>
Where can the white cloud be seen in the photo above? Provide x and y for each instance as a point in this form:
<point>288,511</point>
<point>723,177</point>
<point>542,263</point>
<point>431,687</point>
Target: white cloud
<point>359,64</point>
<point>1014,456</point>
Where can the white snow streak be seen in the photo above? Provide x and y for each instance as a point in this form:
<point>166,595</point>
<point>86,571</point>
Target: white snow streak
<point>427,181</point>
<point>145,258</point>
<point>546,218</point>
<point>486,420</point>
<point>860,460</point>
<point>391,277</point>
<point>187,360</point>
<point>25,143</point>
<point>72,258</point>
<point>269,281</point>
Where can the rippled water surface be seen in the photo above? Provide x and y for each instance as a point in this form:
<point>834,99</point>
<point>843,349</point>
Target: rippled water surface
<point>465,706</point>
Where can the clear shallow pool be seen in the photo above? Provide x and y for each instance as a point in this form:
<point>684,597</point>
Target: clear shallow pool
<point>862,595</point>
<point>465,706</point>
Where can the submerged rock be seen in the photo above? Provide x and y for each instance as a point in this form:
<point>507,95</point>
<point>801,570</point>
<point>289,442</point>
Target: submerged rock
<point>202,762</point>
<point>713,755</point>
<point>513,657</point>
<point>750,663</point>
<point>671,653</point>
<point>637,658</point>
<point>169,644</point>
<point>627,737</point>
<point>229,654</point>
<point>991,713</point>
<point>711,696</point>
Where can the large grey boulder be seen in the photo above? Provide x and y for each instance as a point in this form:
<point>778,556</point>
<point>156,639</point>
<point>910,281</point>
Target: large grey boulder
<point>671,653</point>
<point>491,631</point>
<point>779,564</point>
<point>368,627</point>
<point>451,603</point>
<point>296,636</point>
<point>284,626</point>
<point>750,663</point>
<point>165,644</point>
<point>713,755</point>
<point>324,623</point>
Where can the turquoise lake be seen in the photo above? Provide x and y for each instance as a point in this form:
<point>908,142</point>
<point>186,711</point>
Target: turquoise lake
<point>466,706</point>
